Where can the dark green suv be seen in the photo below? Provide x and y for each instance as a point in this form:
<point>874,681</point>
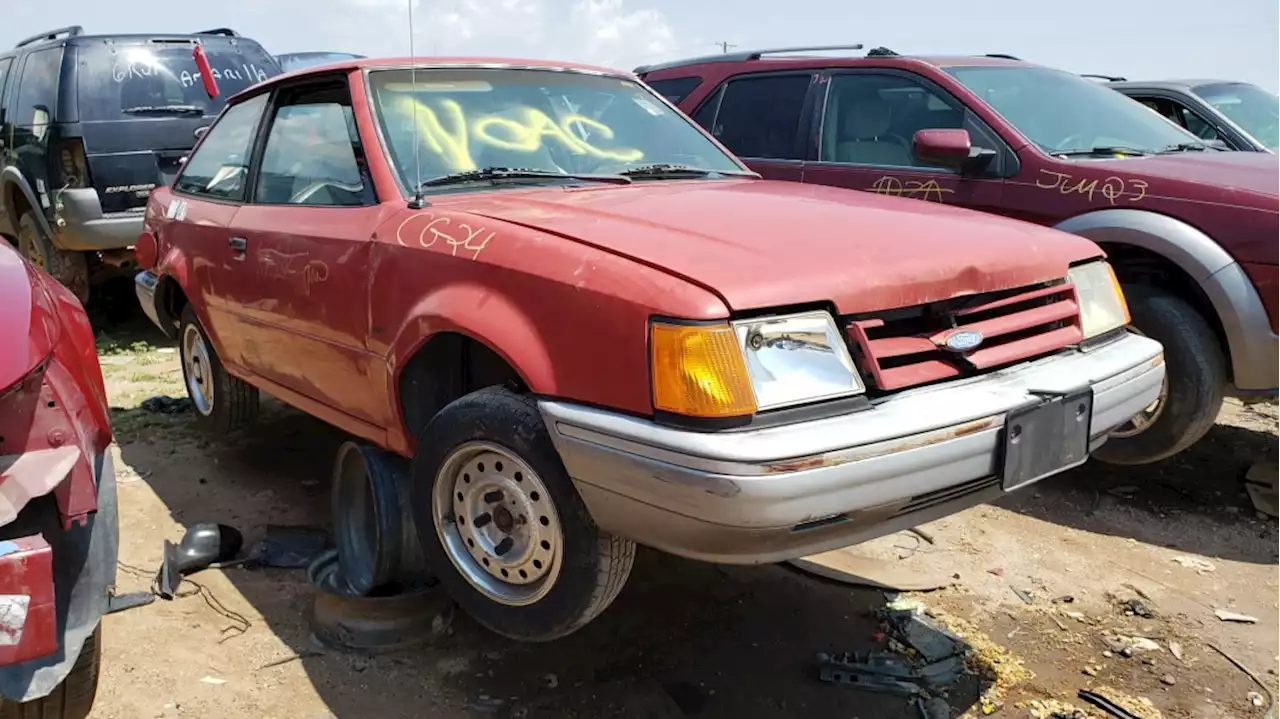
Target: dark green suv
<point>90,124</point>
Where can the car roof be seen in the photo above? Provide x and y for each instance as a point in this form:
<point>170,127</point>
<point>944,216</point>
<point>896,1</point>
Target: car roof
<point>75,35</point>
<point>431,63</point>
<point>1172,84</point>
<point>784,58</point>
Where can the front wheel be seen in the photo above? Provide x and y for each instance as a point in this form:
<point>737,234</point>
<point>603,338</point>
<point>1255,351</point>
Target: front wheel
<point>73,698</point>
<point>503,526</point>
<point>221,401</point>
<point>1195,381</point>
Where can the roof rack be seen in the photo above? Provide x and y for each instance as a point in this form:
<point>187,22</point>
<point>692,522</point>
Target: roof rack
<point>69,31</point>
<point>744,56</point>
<point>224,31</point>
<point>1003,56</point>
<point>1107,78</point>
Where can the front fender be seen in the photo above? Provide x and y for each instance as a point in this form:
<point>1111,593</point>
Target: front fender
<point>1251,341</point>
<point>10,176</point>
<point>484,314</point>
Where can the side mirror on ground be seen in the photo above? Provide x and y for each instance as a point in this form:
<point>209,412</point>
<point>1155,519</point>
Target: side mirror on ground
<point>950,148</point>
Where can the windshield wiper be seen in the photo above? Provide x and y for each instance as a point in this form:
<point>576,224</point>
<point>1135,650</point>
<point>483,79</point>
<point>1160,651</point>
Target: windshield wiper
<point>1101,151</point>
<point>1183,147</point>
<point>669,170</point>
<point>174,109</point>
<point>488,174</point>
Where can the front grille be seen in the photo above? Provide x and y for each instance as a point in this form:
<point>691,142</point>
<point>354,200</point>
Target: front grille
<point>904,348</point>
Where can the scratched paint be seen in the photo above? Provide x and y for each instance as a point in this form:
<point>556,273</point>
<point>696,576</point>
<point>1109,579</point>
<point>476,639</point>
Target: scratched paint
<point>13,617</point>
<point>293,268</point>
<point>927,190</point>
<point>1112,189</point>
<point>427,230</point>
<point>449,132</point>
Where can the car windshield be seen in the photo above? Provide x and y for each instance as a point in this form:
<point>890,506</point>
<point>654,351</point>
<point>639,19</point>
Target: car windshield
<point>157,79</point>
<point>545,120</point>
<point>1064,113</point>
<point>1255,110</point>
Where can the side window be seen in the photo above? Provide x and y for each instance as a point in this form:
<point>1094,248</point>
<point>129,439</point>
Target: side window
<point>5,64</point>
<point>676,88</point>
<point>871,119</point>
<point>1196,125</point>
<point>220,166</point>
<point>38,90</point>
<point>758,117</point>
<point>311,155</point>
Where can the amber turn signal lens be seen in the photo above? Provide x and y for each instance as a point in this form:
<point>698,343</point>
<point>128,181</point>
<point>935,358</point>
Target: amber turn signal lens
<point>698,371</point>
<point>1124,301</point>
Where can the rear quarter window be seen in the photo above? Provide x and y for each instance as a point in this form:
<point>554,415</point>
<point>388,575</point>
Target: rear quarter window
<point>675,89</point>
<point>122,81</point>
<point>38,88</point>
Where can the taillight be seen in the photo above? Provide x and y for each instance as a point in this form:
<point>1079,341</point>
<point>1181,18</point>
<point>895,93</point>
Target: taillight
<point>145,250</point>
<point>75,170</point>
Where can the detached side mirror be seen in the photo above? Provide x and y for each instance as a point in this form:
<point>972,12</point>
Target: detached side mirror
<point>950,148</point>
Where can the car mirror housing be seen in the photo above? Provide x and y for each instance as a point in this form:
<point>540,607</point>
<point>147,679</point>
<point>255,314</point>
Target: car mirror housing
<point>950,148</point>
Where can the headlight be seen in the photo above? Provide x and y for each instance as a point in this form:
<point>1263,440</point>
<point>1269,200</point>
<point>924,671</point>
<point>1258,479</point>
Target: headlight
<point>750,365</point>
<point>1102,304</point>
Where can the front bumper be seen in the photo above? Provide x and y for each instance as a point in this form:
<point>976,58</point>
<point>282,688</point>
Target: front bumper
<point>45,640</point>
<point>770,494</point>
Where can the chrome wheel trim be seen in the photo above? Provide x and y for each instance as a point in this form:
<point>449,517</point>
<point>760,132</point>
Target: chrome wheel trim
<point>497,523</point>
<point>195,361</point>
<point>1142,421</point>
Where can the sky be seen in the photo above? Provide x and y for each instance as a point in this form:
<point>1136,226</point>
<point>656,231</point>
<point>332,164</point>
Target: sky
<point>1138,39</point>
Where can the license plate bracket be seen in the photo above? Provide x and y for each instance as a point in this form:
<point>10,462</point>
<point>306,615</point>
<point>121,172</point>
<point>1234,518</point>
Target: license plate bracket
<point>1047,437</point>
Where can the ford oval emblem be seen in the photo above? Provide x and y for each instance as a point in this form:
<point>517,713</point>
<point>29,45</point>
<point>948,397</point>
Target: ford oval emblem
<point>963,341</point>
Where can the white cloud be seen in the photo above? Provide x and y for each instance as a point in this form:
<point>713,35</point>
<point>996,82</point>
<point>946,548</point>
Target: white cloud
<point>615,33</point>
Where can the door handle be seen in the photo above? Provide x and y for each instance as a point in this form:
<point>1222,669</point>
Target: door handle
<point>238,245</point>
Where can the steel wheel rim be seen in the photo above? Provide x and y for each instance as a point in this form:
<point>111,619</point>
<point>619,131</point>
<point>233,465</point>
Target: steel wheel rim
<point>195,362</point>
<point>497,523</point>
<point>1142,421</point>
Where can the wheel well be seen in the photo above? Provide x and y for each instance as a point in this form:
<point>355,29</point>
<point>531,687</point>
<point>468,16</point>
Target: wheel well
<point>1136,265</point>
<point>447,367</point>
<point>17,204</point>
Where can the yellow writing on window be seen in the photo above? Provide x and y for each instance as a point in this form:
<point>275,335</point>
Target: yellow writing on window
<point>446,131</point>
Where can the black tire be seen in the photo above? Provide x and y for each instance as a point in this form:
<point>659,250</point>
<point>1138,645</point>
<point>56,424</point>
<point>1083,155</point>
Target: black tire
<point>71,269</point>
<point>1196,373</point>
<point>593,566</point>
<point>235,402</point>
<point>73,698</point>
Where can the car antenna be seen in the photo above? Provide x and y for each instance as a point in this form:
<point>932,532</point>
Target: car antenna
<point>418,202</point>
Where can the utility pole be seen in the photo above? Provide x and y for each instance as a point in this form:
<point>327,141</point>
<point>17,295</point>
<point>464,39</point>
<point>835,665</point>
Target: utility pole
<point>725,45</point>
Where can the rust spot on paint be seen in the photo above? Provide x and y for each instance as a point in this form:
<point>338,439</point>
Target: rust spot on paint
<point>881,449</point>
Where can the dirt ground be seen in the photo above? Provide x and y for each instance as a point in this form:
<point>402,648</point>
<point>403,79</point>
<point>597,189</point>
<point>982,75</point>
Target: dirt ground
<point>687,639</point>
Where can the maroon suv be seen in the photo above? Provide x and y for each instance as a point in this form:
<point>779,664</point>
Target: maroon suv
<point>1191,230</point>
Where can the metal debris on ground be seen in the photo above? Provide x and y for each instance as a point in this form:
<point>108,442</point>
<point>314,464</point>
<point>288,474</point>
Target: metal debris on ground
<point>1023,594</point>
<point>1271,697</point>
<point>1227,615</point>
<point>924,658</point>
<point>163,404</point>
<point>1130,706</point>
<point>132,600</point>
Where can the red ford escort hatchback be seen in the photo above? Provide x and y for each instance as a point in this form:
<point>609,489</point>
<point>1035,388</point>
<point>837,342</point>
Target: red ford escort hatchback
<point>590,326</point>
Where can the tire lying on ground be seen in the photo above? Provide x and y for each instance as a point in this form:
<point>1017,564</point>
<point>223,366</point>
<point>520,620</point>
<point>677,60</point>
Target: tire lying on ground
<point>73,698</point>
<point>502,526</point>
<point>1195,380</point>
<point>219,400</point>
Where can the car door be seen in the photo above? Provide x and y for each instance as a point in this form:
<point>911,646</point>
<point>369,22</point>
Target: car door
<point>760,118</point>
<point>868,121</point>
<point>207,193</point>
<point>304,243</point>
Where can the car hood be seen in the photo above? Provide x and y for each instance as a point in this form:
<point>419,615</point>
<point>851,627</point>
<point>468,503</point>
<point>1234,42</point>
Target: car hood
<point>760,244</point>
<point>1229,173</point>
<point>27,322</point>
